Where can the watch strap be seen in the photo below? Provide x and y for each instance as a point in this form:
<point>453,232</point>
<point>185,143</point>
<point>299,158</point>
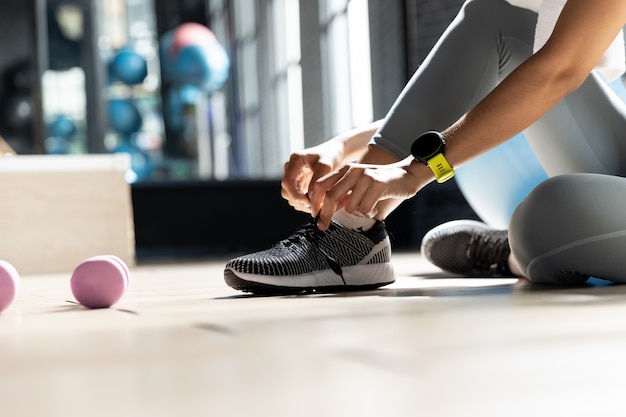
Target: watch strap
<point>441,168</point>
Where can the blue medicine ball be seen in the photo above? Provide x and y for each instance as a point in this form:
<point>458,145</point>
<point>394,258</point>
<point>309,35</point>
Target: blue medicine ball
<point>191,54</point>
<point>128,67</point>
<point>142,166</point>
<point>124,117</point>
<point>62,127</point>
<point>204,66</point>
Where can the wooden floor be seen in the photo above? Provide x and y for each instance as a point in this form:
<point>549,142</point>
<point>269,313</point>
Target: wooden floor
<point>181,343</point>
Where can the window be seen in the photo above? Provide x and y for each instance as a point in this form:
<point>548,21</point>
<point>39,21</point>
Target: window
<point>268,84</point>
<point>347,66</point>
<point>267,116</point>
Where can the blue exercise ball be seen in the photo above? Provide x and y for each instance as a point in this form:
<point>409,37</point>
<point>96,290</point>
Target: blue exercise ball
<point>141,164</point>
<point>191,54</point>
<point>196,64</point>
<point>62,126</point>
<point>496,182</point>
<point>124,117</point>
<point>175,100</point>
<point>128,67</point>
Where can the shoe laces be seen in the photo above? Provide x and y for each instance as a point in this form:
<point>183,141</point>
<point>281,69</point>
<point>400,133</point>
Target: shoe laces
<point>490,250</point>
<point>309,232</point>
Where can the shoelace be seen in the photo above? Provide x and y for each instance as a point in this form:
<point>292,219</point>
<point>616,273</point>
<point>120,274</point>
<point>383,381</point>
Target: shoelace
<point>490,249</point>
<point>309,232</point>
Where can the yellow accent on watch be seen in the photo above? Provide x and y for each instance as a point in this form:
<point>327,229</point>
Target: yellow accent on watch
<point>429,149</point>
<point>441,168</point>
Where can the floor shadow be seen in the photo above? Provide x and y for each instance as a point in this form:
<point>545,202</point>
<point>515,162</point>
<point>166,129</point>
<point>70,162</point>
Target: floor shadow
<point>447,275</point>
<point>75,306</point>
<point>595,287</point>
<point>443,291</point>
<point>388,292</point>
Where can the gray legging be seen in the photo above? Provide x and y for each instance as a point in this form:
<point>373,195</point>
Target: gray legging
<point>573,225</point>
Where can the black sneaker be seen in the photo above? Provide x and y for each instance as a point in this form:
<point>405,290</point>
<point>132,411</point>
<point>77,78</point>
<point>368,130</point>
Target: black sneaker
<point>337,260</point>
<point>468,247</point>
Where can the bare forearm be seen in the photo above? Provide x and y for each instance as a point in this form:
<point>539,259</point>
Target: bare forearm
<point>518,102</point>
<point>355,141</point>
<point>583,33</point>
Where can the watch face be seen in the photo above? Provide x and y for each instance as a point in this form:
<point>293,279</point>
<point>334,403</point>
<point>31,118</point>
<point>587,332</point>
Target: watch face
<point>427,145</point>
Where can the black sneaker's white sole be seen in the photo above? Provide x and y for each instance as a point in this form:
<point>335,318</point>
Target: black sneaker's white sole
<point>376,276</point>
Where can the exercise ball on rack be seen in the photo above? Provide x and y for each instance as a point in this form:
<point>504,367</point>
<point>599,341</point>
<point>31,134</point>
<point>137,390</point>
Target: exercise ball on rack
<point>141,164</point>
<point>124,117</point>
<point>62,126</point>
<point>191,54</point>
<point>60,130</point>
<point>176,99</point>
<point>128,67</point>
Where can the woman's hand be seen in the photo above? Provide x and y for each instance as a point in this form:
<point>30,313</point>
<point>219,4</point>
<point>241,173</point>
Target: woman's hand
<point>305,168</point>
<point>358,188</point>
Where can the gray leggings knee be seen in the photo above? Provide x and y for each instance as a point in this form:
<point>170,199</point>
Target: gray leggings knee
<point>570,228</point>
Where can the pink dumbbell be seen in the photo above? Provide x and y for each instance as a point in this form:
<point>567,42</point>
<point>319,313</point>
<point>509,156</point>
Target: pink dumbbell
<point>100,281</point>
<point>9,284</point>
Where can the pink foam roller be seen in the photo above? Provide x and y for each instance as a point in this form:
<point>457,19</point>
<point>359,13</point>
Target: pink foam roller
<point>99,282</point>
<point>9,284</point>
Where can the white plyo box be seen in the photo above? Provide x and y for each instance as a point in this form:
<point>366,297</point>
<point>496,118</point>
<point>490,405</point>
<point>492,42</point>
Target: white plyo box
<point>57,210</point>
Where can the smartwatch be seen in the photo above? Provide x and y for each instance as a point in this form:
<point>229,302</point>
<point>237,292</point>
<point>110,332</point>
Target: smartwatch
<point>429,149</point>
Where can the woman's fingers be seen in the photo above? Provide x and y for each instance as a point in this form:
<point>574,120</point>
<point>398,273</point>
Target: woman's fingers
<point>300,172</point>
<point>318,190</point>
<point>363,196</point>
<point>349,188</point>
<point>357,188</point>
<point>352,200</point>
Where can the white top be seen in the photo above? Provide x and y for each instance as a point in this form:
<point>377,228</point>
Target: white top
<point>613,62</point>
